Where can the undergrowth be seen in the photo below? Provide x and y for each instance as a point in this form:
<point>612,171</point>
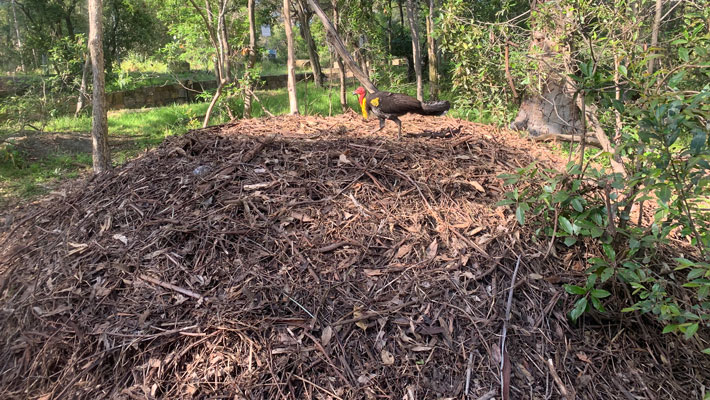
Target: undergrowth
<point>667,164</point>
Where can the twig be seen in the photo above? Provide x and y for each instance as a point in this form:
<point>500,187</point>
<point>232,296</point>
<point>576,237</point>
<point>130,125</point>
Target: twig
<point>558,381</point>
<point>505,380</point>
<point>468,372</point>
<point>170,286</point>
<point>257,149</point>
<point>302,307</point>
<point>251,93</point>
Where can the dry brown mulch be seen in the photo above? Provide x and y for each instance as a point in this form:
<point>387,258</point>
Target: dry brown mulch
<point>301,257</point>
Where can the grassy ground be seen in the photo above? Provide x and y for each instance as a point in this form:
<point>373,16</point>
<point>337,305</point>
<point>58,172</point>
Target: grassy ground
<point>24,176</point>
<point>131,131</point>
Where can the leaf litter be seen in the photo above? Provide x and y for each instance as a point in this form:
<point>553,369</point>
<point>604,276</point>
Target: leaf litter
<point>300,257</point>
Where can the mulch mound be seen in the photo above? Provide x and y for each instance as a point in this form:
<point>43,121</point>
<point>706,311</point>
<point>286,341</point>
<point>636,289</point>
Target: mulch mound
<point>301,257</point>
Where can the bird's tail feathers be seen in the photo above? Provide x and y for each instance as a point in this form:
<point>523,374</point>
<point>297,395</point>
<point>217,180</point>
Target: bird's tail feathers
<point>435,107</point>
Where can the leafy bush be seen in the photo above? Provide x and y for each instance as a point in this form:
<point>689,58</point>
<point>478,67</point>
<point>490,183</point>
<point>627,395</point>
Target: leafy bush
<point>669,164</point>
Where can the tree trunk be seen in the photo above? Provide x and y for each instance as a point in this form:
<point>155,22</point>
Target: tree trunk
<point>654,35</point>
<point>218,38</point>
<point>304,19</point>
<point>83,95</point>
<point>251,61</point>
<point>291,66</point>
<point>414,26</point>
<point>553,111</point>
<point>433,59</point>
<point>389,27</point>
<point>19,38</point>
<point>224,42</point>
<point>99,127</point>
<point>401,13</point>
<point>340,48</point>
<point>341,65</point>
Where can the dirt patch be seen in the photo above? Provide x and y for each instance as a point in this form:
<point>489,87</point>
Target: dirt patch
<point>300,257</point>
<point>36,145</point>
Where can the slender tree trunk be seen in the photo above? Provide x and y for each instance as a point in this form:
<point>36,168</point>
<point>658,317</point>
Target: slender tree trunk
<point>341,65</point>
<point>654,35</point>
<point>414,26</point>
<point>389,27</point>
<point>401,13</point>
<point>339,60</point>
<point>304,19</point>
<point>99,127</point>
<point>19,38</point>
<point>224,42</point>
<point>251,61</point>
<point>213,102</point>
<point>70,25</point>
<point>340,48</point>
<point>617,96</point>
<point>291,66</point>
<point>433,59</point>
<point>83,95</point>
<point>218,37</point>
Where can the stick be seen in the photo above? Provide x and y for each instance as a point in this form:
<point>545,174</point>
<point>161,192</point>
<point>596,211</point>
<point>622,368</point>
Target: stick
<point>170,286</point>
<point>505,383</point>
<point>468,372</point>
<point>558,381</point>
<point>257,149</point>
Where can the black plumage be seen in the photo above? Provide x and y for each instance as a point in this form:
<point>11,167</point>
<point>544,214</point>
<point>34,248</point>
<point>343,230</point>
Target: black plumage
<point>386,105</point>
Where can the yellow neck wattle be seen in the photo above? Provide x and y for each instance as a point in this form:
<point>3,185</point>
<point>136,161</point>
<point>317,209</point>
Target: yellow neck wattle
<point>363,106</point>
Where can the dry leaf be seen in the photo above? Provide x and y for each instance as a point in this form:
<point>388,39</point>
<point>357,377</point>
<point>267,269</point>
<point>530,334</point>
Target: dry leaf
<point>387,357</point>
<point>421,348</point>
<point>403,251</point>
<point>121,238</point>
<point>432,249</point>
<point>583,357</point>
<point>416,228</point>
<point>373,272</point>
<point>474,231</point>
<point>358,314</point>
<point>326,336</point>
<point>477,186</point>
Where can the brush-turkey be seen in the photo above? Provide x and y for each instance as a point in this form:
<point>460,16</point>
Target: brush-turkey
<point>386,105</point>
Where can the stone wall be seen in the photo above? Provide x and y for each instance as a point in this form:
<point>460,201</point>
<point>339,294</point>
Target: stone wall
<point>157,96</point>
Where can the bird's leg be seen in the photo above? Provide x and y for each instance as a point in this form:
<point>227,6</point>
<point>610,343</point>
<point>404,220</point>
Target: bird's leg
<point>382,125</point>
<point>399,125</point>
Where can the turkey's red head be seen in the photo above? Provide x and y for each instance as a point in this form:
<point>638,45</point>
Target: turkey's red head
<point>360,92</point>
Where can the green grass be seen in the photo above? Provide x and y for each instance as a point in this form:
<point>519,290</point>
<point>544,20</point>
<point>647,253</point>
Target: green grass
<point>140,129</point>
<point>311,101</point>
